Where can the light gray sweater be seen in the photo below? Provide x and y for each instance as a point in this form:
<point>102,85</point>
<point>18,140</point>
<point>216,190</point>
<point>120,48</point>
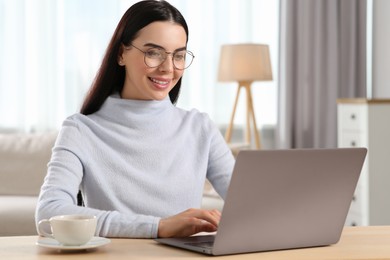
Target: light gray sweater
<point>135,162</point>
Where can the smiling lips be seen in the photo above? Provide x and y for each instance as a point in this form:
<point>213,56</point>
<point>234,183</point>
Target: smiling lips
<point>160,83</point>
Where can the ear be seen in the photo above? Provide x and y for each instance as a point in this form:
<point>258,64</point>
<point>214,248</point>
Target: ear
<point>120,56</point>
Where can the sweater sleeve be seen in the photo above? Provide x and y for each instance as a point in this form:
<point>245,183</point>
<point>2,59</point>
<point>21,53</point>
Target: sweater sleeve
<point>58,194</point>
<point>221,161</point>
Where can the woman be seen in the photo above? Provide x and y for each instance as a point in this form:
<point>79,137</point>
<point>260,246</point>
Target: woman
<point>139,161</point>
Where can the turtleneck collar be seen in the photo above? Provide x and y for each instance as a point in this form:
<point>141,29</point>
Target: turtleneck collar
<point>117,109</point>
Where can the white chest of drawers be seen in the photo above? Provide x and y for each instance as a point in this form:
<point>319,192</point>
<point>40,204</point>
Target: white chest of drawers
<point>366,123</point>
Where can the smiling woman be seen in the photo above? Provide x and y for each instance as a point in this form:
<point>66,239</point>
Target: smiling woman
<point>129,144</point>
<point>50,52</point>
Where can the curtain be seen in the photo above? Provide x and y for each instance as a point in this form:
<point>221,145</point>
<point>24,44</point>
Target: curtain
<point>50,52</point>
<point>322,58</point>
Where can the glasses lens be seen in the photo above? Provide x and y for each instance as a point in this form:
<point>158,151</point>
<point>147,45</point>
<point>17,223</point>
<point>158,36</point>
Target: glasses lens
<point>155,57</point>
<point>182,59</point>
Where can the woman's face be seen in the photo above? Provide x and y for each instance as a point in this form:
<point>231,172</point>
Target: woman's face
<point>143,82</point>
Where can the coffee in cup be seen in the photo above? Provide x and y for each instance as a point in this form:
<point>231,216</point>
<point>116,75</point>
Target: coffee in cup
<point>70,230</point>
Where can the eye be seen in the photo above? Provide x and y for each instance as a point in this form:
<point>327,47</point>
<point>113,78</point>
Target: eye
<point>154,53</point>
<point>180,56</point>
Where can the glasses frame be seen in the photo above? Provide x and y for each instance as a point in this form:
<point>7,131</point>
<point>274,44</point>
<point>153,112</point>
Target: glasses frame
<point>168,53</point>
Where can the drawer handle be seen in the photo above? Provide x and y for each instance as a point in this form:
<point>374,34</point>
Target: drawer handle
<point>353,143</point>
<point>353,116</point>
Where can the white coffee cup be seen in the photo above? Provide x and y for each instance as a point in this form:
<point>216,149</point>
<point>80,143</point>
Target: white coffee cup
<point>69,230</point>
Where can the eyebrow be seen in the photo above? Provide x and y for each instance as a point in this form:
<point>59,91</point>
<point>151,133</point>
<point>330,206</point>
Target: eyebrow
<point>152,45</point>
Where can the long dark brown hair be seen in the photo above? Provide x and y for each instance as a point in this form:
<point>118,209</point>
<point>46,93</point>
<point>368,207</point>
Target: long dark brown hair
<point>111,77</point>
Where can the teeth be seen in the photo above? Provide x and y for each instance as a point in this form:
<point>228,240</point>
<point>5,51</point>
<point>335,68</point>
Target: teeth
<point>159,82</point>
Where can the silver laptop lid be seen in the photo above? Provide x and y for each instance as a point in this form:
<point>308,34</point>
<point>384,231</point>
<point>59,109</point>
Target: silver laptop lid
<point>281,199</point>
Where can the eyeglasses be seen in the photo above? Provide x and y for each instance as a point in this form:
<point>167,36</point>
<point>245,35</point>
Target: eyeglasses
<point>154,57</point>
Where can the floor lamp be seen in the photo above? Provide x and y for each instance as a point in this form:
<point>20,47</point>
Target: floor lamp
<point>245,63</point>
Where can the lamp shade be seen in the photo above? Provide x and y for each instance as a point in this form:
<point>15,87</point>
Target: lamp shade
<point>245,62</point>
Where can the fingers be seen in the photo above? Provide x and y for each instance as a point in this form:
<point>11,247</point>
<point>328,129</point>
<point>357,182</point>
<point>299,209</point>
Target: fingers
<point>189,222</point>
<point>211,216</point>
<point>203,226</point>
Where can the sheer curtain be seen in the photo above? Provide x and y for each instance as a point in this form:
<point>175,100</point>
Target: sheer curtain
<point>51,50</point>
<point>322,58</point>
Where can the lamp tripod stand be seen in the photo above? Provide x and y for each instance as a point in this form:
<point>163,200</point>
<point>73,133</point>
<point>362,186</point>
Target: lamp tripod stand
<point>250,115</point>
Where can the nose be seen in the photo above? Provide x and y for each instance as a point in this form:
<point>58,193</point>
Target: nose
<point>167,65</point>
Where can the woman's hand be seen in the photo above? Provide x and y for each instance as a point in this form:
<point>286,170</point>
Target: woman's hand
<point>189,222</point>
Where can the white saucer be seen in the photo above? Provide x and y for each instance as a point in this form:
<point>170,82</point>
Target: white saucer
<point>52,243</point>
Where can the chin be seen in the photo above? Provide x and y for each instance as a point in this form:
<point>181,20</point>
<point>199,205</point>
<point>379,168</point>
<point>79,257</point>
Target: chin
<point>160,96</point>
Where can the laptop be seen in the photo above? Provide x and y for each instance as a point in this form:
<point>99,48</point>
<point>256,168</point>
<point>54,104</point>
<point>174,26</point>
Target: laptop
<point>283,199</point>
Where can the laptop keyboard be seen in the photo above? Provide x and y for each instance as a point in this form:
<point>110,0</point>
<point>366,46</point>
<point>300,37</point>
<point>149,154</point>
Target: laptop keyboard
<point>204,244</point>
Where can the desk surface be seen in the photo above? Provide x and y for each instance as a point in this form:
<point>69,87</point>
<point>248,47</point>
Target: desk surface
<point>356,243</point>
